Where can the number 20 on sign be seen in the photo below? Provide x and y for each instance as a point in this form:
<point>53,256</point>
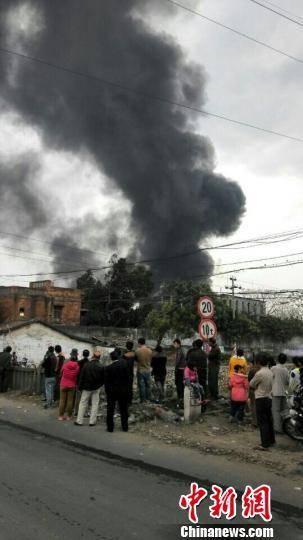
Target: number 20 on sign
<point>206,308</point>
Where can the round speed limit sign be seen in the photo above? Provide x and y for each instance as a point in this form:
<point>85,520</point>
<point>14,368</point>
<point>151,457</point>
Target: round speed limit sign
<point>207,329</point>
<point>206,308</point>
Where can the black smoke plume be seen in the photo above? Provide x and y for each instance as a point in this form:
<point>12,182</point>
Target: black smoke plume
<point>149,150</point>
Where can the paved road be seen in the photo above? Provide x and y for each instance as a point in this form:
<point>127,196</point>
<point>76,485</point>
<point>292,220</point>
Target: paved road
<point>50,491</point>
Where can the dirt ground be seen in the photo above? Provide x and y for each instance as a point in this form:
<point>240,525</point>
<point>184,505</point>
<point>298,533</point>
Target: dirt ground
<point>213,434</point>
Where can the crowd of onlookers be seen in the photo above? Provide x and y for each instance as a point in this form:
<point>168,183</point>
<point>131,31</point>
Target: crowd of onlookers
<point>260,385</point>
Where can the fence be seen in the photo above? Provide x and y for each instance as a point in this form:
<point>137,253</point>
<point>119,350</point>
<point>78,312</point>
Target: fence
<point>27,380</point>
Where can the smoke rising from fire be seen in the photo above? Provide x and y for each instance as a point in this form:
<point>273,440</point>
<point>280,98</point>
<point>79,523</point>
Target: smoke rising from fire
<point>148,150</point>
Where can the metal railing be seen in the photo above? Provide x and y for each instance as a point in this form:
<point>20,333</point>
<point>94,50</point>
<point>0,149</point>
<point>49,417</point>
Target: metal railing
<point>27,380</point>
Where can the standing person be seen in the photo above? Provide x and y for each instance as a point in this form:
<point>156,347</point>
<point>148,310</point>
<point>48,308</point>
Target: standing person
<point>214,361</point>
<point>85,359</point>
<point>143,358</point>
<point>49,365</point>
<point>90,382</point>
<point>239,386</point>
<point>279,388</point>
<point>180,364</point>
<point>238,360</point>
<point>199,359</point>
<point>81,363</point>
<point>117,381</point>
<point>69,374</point>
<point>158,365</point>
<point>262,384</point>
<point>14,359</point>
<point>59,364</point>
<point>5,364</point>
<point>251,373</point>
<point>130,356</point>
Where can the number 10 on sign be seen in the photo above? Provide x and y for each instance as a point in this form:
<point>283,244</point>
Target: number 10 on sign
<point>207,329</point>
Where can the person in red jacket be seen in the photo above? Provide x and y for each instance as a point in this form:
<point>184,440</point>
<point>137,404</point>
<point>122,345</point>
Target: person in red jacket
<point>239,387</point>
<point>69,375</point>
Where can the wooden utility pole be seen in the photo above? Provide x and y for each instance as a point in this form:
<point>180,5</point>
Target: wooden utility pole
<point>232,288</point>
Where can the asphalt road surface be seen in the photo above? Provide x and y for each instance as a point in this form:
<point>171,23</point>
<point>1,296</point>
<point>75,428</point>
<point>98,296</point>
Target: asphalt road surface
<point>52,491</point>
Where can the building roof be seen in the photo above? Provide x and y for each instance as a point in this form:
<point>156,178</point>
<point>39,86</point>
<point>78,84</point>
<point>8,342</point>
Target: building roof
<point>10,327</point>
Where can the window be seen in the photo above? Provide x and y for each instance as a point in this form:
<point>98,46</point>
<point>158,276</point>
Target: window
<point>57,313</point>
<point>21,312</point>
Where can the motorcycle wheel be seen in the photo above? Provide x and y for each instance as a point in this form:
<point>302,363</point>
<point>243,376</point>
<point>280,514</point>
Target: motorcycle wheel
<point>291,429</point>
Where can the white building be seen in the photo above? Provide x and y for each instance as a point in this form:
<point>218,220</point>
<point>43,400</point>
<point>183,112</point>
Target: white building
<point>251,306</point>
<point>31,339</point>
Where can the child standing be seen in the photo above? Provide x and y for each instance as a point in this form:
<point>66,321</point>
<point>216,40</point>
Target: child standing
<point>239,387</point>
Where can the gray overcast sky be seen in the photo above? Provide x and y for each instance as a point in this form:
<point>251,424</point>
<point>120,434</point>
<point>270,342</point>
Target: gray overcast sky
<point>245,82</point>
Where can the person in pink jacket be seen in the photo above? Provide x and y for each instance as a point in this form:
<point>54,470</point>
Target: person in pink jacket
<point>239,387</point>
<point>191,379</point>
<point>69,375</point>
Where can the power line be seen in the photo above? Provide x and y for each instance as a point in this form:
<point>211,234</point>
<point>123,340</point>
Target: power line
<point>270,238</point>
<point>262,240</point>
<point>276,12</point>
<point>152,97</point>
<point>284,10</point>
<point>48,242</point>
<point>237,32</point>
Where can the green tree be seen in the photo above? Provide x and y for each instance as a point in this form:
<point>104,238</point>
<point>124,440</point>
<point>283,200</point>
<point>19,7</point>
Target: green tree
<point>122,299</point>
<point>178,311</point>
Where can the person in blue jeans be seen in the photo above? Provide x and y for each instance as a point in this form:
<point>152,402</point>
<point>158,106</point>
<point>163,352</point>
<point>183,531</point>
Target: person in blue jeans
<point>49,364</point>
<point>143,358</point>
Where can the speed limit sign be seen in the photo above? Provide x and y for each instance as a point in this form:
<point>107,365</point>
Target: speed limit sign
<point>206,308</point>
<point>207,329</point>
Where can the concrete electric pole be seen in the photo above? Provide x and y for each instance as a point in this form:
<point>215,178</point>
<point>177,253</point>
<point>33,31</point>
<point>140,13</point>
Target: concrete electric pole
<point>232,288</point>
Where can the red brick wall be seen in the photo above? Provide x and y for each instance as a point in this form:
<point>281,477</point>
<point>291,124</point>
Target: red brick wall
<point>39,304</point>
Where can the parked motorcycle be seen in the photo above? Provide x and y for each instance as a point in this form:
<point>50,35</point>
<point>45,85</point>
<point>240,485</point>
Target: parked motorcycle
<point>293,419</point>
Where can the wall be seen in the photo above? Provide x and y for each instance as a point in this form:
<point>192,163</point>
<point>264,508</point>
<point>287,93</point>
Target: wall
<point>33,340</point>
<point>39,303</point>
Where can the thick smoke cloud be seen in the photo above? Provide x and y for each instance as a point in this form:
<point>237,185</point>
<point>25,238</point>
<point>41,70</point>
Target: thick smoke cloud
<point>21,207</point>
<point>148,149</point>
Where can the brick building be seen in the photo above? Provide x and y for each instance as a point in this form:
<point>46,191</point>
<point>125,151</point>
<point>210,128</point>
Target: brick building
<point>41,300</point>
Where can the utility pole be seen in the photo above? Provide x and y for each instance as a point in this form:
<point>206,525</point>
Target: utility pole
<point>232,288</point>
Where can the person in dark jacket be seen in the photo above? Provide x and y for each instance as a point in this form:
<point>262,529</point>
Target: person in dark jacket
<point>81,363</point>
<point>199,359</point>
<point>117,380</point>
<point>130,356</point>
<point>180,364</point>
<point>5,364</point>
<point>60,362</point>
<point>214,360</point>
<point>49,364</point>
<point>158,365</point>
<point>90,382</point>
